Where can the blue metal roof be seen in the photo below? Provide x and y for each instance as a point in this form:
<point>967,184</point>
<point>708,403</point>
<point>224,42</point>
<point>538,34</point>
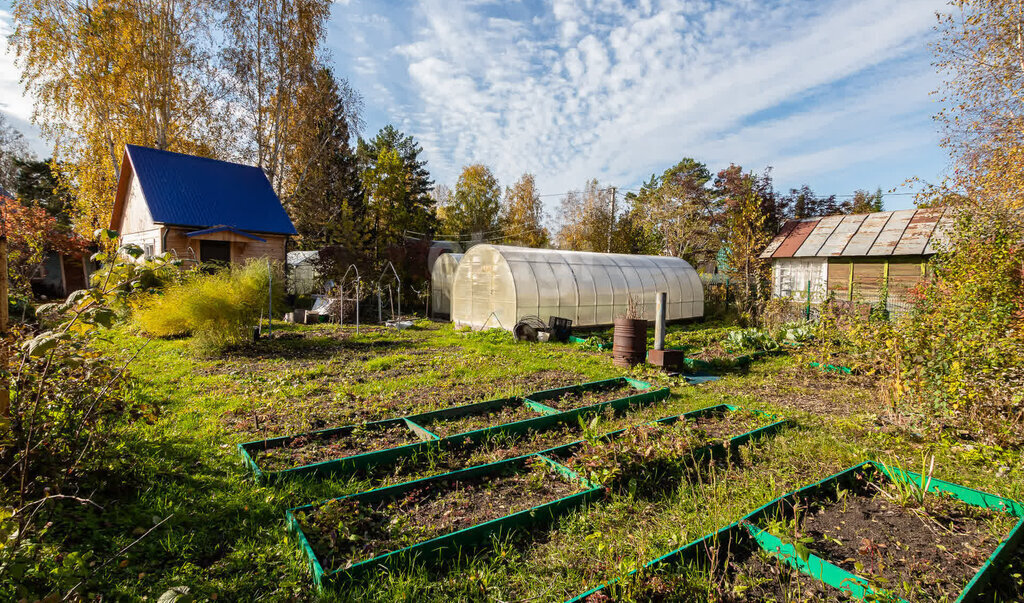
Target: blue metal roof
<point>186,190</point>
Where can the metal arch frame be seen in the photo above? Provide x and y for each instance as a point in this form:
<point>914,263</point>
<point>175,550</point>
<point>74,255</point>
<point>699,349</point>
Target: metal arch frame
<point>380,291</point>
<point>341,296</point>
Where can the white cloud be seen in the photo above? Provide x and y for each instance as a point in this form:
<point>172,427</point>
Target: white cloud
<point>12,102</point>
<point>599,88</point>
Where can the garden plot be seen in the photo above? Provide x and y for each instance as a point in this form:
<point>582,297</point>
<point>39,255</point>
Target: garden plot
<point>589,394</point>
<point>726,424</point>
<point>341,398</point>
<point>253,453</point>
<point>650,457</point>
<point>351,534</point>
<point>898,537</point>
<point>880,532</point>
<point>734,572</point>
<point>358,441</point>
<point>474,417</point>
<point>499,445</point>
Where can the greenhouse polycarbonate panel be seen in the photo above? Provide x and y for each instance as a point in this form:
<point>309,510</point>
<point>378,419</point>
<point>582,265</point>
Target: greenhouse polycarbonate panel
<point>590,289</point>
<point>441,278</point>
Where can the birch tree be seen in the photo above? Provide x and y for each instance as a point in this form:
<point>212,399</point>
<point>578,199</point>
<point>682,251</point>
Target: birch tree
<point>104,74</point>
<point>272,53</point>
<point>522,214</point>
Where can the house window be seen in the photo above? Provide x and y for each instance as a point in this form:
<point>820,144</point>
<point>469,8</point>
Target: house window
<point>150,251</point>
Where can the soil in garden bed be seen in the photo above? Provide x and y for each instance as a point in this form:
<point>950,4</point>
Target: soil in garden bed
<point>509,413</point>
<point>745,574</point>
<point>580,399</point>
<point>726,425</point>
<point>496,448</point>
<point>344,532</point>
<point>305,450</point>
<point>926,553</point>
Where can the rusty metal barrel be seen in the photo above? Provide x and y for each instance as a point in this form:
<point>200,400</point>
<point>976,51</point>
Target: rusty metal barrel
<point>630,343</point>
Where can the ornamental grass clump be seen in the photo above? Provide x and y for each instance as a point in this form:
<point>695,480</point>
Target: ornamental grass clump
<point>217,308</point>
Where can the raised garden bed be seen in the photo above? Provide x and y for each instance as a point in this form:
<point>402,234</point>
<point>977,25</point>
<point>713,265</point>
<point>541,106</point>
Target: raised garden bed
<point>590,394</point>
<point>653,456</point>
<point>473,417</point>
<point>883,532</point>
<point>316,448</point>
<point>727,566</point>
<point>734,571</point>
<point>544,418</point>
<point>378,441</point>
<point>353,534</point>
<point>723,425</point>
<point>979,532</point>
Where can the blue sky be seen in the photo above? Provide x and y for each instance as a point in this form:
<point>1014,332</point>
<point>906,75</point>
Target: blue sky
<point>832,93</point>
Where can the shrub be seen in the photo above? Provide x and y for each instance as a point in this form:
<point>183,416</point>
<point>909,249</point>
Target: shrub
<point>67,402</point>
<point>217,308</point>
<point>961,351</point>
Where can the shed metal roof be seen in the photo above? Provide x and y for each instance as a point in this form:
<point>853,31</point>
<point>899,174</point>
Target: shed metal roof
<point>185,190</point>
<point>904,232</point>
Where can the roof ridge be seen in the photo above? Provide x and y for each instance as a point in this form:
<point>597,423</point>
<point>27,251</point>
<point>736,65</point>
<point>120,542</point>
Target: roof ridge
<point>191,156</point>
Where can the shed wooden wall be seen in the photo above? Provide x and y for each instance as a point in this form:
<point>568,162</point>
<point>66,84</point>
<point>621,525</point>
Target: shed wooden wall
<point>868,275</point>
<point>242,248</point>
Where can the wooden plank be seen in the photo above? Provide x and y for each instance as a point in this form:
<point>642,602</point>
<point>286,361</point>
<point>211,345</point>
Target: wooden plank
<point>839,278</point>
<point>867,281</point>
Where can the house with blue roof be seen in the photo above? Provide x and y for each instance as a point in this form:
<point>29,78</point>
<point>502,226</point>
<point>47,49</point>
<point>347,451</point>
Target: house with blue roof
<point>198,208</point>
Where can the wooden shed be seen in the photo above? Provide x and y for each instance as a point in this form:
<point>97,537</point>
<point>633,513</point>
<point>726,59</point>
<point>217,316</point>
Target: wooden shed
<point>198,208</point>
<point>855,257</point>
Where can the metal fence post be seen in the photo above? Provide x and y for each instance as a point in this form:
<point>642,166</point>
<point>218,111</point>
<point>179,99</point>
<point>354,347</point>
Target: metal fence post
<point>808,310</point>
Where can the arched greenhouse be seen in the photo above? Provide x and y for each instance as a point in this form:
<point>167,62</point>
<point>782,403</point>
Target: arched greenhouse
<point>497,285</point>
<point>442,275</point>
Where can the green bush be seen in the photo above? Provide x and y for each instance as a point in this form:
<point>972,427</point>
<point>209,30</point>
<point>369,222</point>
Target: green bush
<point>218,309</point>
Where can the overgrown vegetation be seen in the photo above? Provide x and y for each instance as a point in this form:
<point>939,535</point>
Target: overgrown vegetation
<point>218,308</point>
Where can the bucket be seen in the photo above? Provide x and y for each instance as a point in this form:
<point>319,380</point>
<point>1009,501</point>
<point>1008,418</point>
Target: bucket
<point>630,344</point>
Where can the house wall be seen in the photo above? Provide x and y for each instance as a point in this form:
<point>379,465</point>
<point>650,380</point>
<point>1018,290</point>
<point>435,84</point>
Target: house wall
<point>137,226</point>
<point>242,248</point>
<point>790,277</point>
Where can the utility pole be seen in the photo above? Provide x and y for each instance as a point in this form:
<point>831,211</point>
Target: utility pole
<point>611,222</point>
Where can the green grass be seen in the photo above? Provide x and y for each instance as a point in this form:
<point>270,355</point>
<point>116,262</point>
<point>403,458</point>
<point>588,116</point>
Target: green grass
<point>225,533</point>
